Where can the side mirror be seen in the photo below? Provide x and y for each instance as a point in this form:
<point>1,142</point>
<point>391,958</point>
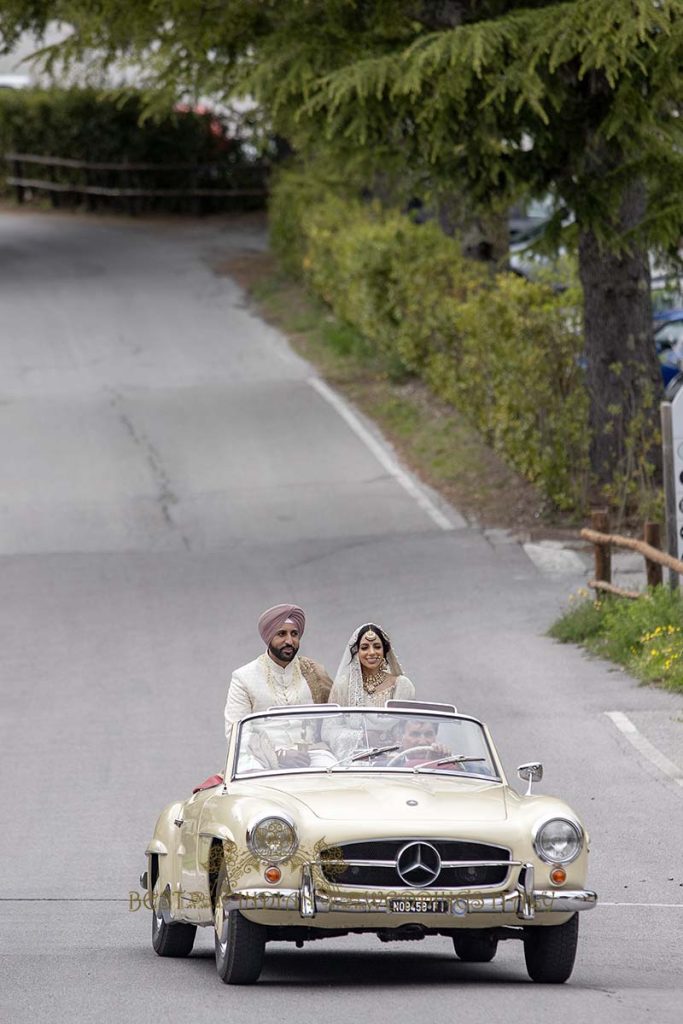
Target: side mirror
<point>531,772</point>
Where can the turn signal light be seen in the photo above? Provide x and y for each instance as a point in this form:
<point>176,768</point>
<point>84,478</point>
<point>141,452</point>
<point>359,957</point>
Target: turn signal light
<point>558,876</point>
<point>272,874</point>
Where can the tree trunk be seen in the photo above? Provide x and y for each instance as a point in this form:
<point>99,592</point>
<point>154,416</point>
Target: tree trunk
<point>623,376</point>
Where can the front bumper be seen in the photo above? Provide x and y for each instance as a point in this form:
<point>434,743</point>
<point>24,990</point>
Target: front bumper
<point>524,901</point>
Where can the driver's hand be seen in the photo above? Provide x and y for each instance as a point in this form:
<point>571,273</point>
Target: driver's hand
<point>439,750</point>
<point>294,758</point>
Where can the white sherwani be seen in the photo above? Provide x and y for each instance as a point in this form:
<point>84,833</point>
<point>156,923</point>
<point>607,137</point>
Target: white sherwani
<point>263,684</point>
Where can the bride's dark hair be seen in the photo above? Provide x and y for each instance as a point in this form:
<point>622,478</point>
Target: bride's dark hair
<point>386,645</point>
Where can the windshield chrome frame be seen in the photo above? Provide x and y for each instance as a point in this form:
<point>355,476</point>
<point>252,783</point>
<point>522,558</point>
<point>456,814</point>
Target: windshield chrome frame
<point>334,710</point>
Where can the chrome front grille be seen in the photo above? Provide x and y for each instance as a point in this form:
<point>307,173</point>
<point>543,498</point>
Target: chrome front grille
<point>372,864</point>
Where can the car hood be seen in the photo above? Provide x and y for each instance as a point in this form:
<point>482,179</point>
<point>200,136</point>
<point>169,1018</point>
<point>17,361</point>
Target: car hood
<point>353,798</point>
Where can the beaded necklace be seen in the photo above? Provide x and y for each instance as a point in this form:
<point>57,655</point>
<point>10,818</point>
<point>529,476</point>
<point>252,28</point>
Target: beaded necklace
<point>282,691</point>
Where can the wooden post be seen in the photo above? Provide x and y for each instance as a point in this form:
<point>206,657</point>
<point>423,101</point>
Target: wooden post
<point>652,569</point>
<point>89,180</point>
<point>603,552</point>
<point>56,175</point>
<point>126,180</point>
<point>196,202</point>
<point>18,168</point>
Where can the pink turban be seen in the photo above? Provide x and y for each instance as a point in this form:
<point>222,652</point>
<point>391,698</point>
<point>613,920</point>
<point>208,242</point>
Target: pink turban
<point>274,618</point>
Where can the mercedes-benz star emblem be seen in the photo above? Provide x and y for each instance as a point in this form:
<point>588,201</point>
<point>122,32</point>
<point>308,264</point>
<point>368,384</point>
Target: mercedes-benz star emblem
<point>418,864</point>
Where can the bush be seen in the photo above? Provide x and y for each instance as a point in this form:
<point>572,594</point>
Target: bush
<point>293,194</point>
<point>582,622</point>
<point>627,624</point>
<point>503,351</point>
<point>645,636</point>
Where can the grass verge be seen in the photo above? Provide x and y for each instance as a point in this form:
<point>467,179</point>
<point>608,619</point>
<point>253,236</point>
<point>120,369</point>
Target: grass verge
<point>645,636</point>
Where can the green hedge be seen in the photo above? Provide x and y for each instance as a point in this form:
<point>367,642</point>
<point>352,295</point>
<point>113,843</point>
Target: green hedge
<point>88,125</point>
<point>101,127</point>
<point>502,350</point>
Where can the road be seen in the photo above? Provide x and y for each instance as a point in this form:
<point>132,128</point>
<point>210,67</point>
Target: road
<point>168,470</point>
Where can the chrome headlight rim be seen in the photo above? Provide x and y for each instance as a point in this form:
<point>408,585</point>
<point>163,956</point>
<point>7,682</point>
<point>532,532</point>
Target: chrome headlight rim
<point>576,828</point>
<point>270,859</point>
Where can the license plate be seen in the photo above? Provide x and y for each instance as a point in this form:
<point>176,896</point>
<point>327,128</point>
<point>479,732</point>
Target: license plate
<point>417,906</point>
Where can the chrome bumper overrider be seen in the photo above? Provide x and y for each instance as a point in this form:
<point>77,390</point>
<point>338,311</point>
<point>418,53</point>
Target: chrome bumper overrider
<point>523,901</point>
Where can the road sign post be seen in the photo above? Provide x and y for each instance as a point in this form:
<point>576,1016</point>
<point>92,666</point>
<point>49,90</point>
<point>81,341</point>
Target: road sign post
<point>672,460</point>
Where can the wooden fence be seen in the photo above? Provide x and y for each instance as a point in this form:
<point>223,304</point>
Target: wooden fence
<point>187,186</point>
<point>655,559</point>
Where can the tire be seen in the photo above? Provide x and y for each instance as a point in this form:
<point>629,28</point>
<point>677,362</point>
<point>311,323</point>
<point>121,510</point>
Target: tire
<point>170,938</point>
<point>239,943</point>
<point>475,947</point>
<point>550,951</point>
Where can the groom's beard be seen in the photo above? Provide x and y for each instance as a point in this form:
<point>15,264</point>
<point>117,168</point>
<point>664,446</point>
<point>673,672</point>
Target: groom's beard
<point>285,653</point>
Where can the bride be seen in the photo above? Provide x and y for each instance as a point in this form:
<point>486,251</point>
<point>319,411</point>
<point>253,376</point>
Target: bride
<point>369,673</point>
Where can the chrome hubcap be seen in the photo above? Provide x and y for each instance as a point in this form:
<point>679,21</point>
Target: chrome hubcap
<point>219,925</point>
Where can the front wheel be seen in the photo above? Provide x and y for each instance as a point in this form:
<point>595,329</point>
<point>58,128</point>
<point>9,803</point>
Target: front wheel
<point>170,938</point>
<point>550,951</point>
<point>239,943</point>
<point>475,947</point>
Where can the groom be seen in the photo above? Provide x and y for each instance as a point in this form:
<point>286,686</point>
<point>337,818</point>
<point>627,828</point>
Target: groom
<point>280,675</point>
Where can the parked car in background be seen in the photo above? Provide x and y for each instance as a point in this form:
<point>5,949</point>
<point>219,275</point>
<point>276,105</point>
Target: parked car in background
<point>668,337</point>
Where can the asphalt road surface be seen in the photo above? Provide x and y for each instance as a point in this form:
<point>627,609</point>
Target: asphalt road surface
<point>168,470</point>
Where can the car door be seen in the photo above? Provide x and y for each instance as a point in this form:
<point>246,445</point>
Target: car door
<point>192,881</point>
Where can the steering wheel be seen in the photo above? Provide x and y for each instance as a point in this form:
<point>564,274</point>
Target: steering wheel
<point>404,753</point>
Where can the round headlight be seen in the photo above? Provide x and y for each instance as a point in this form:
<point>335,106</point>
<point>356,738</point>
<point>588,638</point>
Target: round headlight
<point>273,839</point>
<point>558,841</point>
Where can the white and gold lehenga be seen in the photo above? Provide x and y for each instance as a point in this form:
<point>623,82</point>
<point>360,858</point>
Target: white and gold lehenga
<point>348,688</point>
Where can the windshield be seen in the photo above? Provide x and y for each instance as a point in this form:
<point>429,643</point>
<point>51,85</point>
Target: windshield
<point>670,334</point>
<point>375,741</point>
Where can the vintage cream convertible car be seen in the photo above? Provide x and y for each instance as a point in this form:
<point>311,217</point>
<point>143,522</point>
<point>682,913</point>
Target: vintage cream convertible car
<point>401,823</point>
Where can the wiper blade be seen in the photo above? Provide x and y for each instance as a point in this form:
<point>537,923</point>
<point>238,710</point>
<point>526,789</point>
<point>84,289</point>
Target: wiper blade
<point>374,751</point>
<point>453,759</point>
<point>362,754</point>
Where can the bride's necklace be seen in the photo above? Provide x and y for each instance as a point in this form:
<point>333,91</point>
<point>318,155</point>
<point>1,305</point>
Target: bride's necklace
<point>373,681</point>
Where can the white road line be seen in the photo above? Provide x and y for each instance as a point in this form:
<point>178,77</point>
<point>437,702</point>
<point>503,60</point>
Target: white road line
<point>665,906</point>
<point>382,456</point>
<point>644,747</point>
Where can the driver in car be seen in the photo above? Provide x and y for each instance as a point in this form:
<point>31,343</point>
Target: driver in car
<point>418,745</point>
<point>414,733</point>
